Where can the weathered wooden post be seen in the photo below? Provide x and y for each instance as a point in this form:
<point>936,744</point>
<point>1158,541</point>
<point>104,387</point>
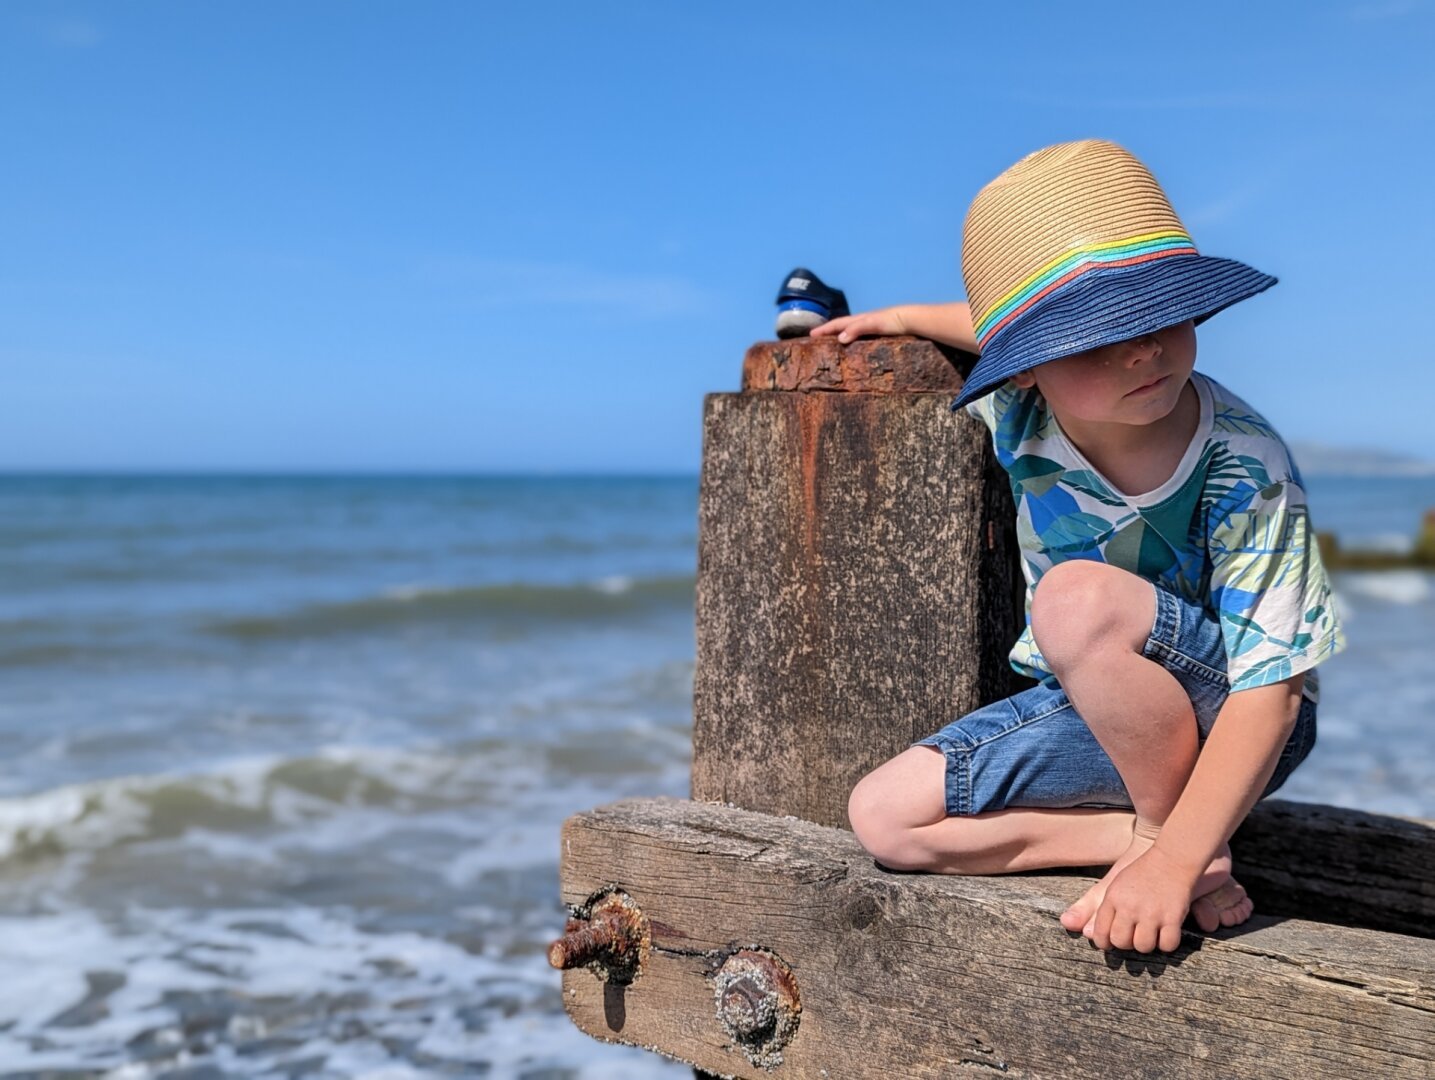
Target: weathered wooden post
<point>857,587</point>
<point>858,582</point>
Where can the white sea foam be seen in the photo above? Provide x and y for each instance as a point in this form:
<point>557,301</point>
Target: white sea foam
<point>162,954</point>
<point>551,1039</point>
<point>505,848</point>
<point>311,954</point>
<point>1396,543</point>
<point>1391,586</point>
<point>33,944</point>
<point>614,584</point>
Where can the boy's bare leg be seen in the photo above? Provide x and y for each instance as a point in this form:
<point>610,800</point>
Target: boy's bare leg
<point>1028,838</point>
<point>898,812</point>
<point>1144,721</point>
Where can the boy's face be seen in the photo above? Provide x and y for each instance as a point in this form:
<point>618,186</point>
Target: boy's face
<point>1110,384</point>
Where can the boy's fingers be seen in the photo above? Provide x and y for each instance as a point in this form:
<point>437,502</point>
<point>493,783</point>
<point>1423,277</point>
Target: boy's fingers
<point>1123,932</point>
<point>1145,937</point>
<point>1101,934</point>
<point>1170,937</point>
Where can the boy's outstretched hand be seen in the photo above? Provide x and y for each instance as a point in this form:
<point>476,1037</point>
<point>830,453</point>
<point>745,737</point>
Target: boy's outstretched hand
<point>1145,905</point>
<point>865,323</point>
<point>949,324</point>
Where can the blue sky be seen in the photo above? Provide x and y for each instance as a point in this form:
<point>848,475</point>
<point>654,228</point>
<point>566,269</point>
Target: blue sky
<point>461,236</point>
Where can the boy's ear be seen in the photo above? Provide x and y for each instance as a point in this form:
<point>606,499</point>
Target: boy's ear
<point>1024,380</point>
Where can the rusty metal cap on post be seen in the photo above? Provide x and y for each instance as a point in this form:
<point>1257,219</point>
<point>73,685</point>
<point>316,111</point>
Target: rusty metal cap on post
<point>884,365</point>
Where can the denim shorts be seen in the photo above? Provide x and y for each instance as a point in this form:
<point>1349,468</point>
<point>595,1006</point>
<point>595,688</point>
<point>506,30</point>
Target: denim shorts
<point>1032,749</point>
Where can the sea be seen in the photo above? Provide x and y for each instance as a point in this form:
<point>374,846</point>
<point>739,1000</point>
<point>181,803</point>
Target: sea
<point>285,757</point>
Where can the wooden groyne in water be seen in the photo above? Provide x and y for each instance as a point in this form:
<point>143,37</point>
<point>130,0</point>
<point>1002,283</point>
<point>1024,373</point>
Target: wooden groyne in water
<point>1421,555</point>
<point>858,585</point>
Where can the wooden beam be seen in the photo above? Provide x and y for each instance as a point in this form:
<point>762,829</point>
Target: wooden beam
<point>1336,865</point>
<point>919,975</point>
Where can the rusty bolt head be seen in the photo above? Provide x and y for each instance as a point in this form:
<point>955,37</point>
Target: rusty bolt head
<point>748,1007</point>
<point>757,1004</point>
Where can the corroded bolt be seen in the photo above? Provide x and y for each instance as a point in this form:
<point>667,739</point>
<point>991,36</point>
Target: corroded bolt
<point>585,943</point>
<point>748,1007</point>
<point>607,934</point>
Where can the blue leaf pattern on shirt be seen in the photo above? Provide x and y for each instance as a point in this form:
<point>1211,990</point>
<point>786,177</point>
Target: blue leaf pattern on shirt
<point>1233,533</point>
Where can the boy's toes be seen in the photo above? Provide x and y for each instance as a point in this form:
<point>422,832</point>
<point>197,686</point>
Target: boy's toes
<point>1083,913</point>
<point>1228,905</point>
<point>1205,914</point>
<point>1238,913</point>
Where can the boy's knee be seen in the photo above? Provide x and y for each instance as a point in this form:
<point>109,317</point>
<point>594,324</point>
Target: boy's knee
<point>865,807</point>
<point>890,806</point>
<point>1080,607</point>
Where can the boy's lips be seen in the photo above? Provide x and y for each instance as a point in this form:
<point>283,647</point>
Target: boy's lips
<point>1149,386</point>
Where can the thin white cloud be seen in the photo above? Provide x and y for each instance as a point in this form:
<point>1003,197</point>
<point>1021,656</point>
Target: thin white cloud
<point>71,33</point>
<point>1229,205</point>
<point>1184,102</point>
<point>1379,12</point>
<point>501,283</point>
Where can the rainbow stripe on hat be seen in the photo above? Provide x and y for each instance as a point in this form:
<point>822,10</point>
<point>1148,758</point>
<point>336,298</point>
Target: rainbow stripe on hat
<point>1067,268</point>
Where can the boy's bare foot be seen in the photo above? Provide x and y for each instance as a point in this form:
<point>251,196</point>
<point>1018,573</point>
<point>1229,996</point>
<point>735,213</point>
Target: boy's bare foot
<point>1225,905</point>
<point>1218,899</point>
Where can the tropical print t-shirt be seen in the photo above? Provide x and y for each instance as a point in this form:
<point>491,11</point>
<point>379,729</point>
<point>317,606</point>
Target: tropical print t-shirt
<point>1229,530</point>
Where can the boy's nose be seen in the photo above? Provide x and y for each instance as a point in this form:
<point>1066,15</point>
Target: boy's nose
<point>1144,347</point>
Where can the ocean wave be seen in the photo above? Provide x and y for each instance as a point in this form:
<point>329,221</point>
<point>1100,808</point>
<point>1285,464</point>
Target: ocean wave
<point>254,794</point>
<point>326,795</point>
<point>605,598</point>
<point>30,642</point>
<point>1390,586</point>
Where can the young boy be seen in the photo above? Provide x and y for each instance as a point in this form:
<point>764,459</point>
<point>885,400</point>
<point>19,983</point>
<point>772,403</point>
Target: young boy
<point>1176,602</point>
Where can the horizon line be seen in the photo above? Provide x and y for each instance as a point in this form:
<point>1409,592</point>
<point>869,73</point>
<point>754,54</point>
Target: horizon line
<point>301,471</point>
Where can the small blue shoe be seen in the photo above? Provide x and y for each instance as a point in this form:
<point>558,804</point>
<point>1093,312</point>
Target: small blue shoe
<point>805,302</point>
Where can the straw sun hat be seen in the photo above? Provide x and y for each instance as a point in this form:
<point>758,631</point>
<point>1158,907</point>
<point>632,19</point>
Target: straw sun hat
<point>1077,246</point>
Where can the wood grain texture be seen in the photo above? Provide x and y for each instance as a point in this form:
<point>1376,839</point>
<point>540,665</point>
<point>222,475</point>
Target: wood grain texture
<point>917,975</point>
<point>883,365</point>
<point>858,588</point>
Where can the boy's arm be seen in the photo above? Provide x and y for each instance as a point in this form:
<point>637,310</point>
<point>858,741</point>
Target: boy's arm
<point>1233,769</point>
<point>951,324</point>
<point>1235,765</point>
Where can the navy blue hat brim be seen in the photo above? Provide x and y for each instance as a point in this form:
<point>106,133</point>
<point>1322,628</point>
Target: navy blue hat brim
<point>1109,306</point>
